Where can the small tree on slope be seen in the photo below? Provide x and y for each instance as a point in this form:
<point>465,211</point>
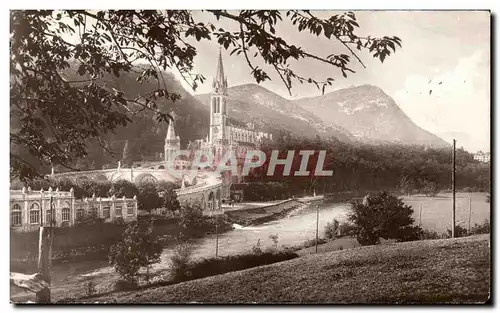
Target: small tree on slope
<point>140,247</point>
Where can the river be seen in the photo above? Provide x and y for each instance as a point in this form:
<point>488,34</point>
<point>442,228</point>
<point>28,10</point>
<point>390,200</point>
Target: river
<point>301,226</point>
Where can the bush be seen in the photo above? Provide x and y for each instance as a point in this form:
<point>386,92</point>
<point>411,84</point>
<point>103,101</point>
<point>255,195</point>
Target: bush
<point>347,229</point>
<point>191,216</point>
<point>274,238</point>
<point>459,231</point>
<point>430,188</point>
<point>125,284</point>
<point>90,287</point>
<point>483,228</point>
<point>220,265</point>
<point>256,249</point>
<point>383,216</point>
<point>312,242</point>
<point>180,261</point>
<point>332,229</point>
<point>429,234</point>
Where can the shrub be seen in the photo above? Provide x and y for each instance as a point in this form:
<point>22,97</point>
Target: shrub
<point>429,234</point>
<point>216,266</point>
<point>180,260</point>
<point>347,229</point>
<point>191,216</point>
<point>125,284</point>
<point>430,188</point>
<point>90,287</point>
<point>459,231</point>
<point>274,238</point>
<point>312,242</point>
<point>383,216</point>
<point>332,229</point>
<point>256,249</point>
<point>483,228</point>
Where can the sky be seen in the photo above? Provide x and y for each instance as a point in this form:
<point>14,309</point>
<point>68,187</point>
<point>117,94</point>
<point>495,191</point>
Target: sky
<point>447,52</point>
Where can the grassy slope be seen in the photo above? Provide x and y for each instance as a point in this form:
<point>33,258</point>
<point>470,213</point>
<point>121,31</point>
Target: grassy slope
<point>431,271</point>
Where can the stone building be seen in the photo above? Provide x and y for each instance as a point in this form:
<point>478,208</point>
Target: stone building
<point>29,209</point>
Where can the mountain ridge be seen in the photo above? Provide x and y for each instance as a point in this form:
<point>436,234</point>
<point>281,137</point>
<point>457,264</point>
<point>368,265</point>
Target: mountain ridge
<point>370,115</point>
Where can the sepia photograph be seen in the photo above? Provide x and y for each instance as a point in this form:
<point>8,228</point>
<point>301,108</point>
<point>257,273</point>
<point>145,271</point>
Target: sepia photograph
<point>250,156</point>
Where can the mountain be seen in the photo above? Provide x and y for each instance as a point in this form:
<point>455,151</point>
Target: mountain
<point>273,113</point>
<point>370,115</point>
<point>144,137</point>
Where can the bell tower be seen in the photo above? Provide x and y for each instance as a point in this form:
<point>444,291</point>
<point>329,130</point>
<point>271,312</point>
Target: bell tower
<point>218,102</point>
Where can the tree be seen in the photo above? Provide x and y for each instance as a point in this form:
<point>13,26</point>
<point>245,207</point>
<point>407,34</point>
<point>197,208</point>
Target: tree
<point>122,188</point>
<point>169,196</point>
<point>407,184</point>
<point>430,188</point>
<point>140,247</point>
<point>383,216</point>
<point>148,198</point>
<point>59,60</point>
<point>191,216</point>
<point>126,159</point>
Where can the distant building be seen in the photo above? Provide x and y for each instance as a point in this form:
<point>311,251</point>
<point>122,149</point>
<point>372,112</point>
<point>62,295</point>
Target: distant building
<point>30,209</point>
<point>484,157</point>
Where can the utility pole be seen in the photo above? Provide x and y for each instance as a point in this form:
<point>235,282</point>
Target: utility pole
<point>453,190</point>
<point>216,237</point>
<point>44,256</point>
<point>317,226</point>
<point>420,214</point>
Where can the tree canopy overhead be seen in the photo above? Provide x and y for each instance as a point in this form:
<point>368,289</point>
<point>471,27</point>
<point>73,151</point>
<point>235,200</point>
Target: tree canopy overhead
<point>53,116</point>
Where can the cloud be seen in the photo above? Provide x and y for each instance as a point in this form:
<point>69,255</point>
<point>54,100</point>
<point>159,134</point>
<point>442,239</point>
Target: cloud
<point>456,100</point>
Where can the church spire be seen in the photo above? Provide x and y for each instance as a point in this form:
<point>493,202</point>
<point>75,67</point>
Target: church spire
<point>220,81</point>
<point>170,132</point>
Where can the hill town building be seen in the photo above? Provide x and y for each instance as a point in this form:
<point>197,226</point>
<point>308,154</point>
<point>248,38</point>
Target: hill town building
<point>482,157</point>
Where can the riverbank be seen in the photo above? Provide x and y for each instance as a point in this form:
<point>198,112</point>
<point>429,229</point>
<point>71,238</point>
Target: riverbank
<point>256,213</point>
<point>410,272</point>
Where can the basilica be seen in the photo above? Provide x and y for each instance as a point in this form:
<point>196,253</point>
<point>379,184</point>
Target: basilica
<point>222,136</point>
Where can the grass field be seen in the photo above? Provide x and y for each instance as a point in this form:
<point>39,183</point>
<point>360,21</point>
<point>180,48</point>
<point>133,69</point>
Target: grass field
<point>436,211</point>
<point>430,271</point>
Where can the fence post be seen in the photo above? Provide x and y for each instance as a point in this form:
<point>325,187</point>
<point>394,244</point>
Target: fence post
<point>44,251</point>
<point>470,213</point>
<point>317,226</point>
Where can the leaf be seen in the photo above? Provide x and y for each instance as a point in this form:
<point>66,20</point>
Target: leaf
<point>81,70</point>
